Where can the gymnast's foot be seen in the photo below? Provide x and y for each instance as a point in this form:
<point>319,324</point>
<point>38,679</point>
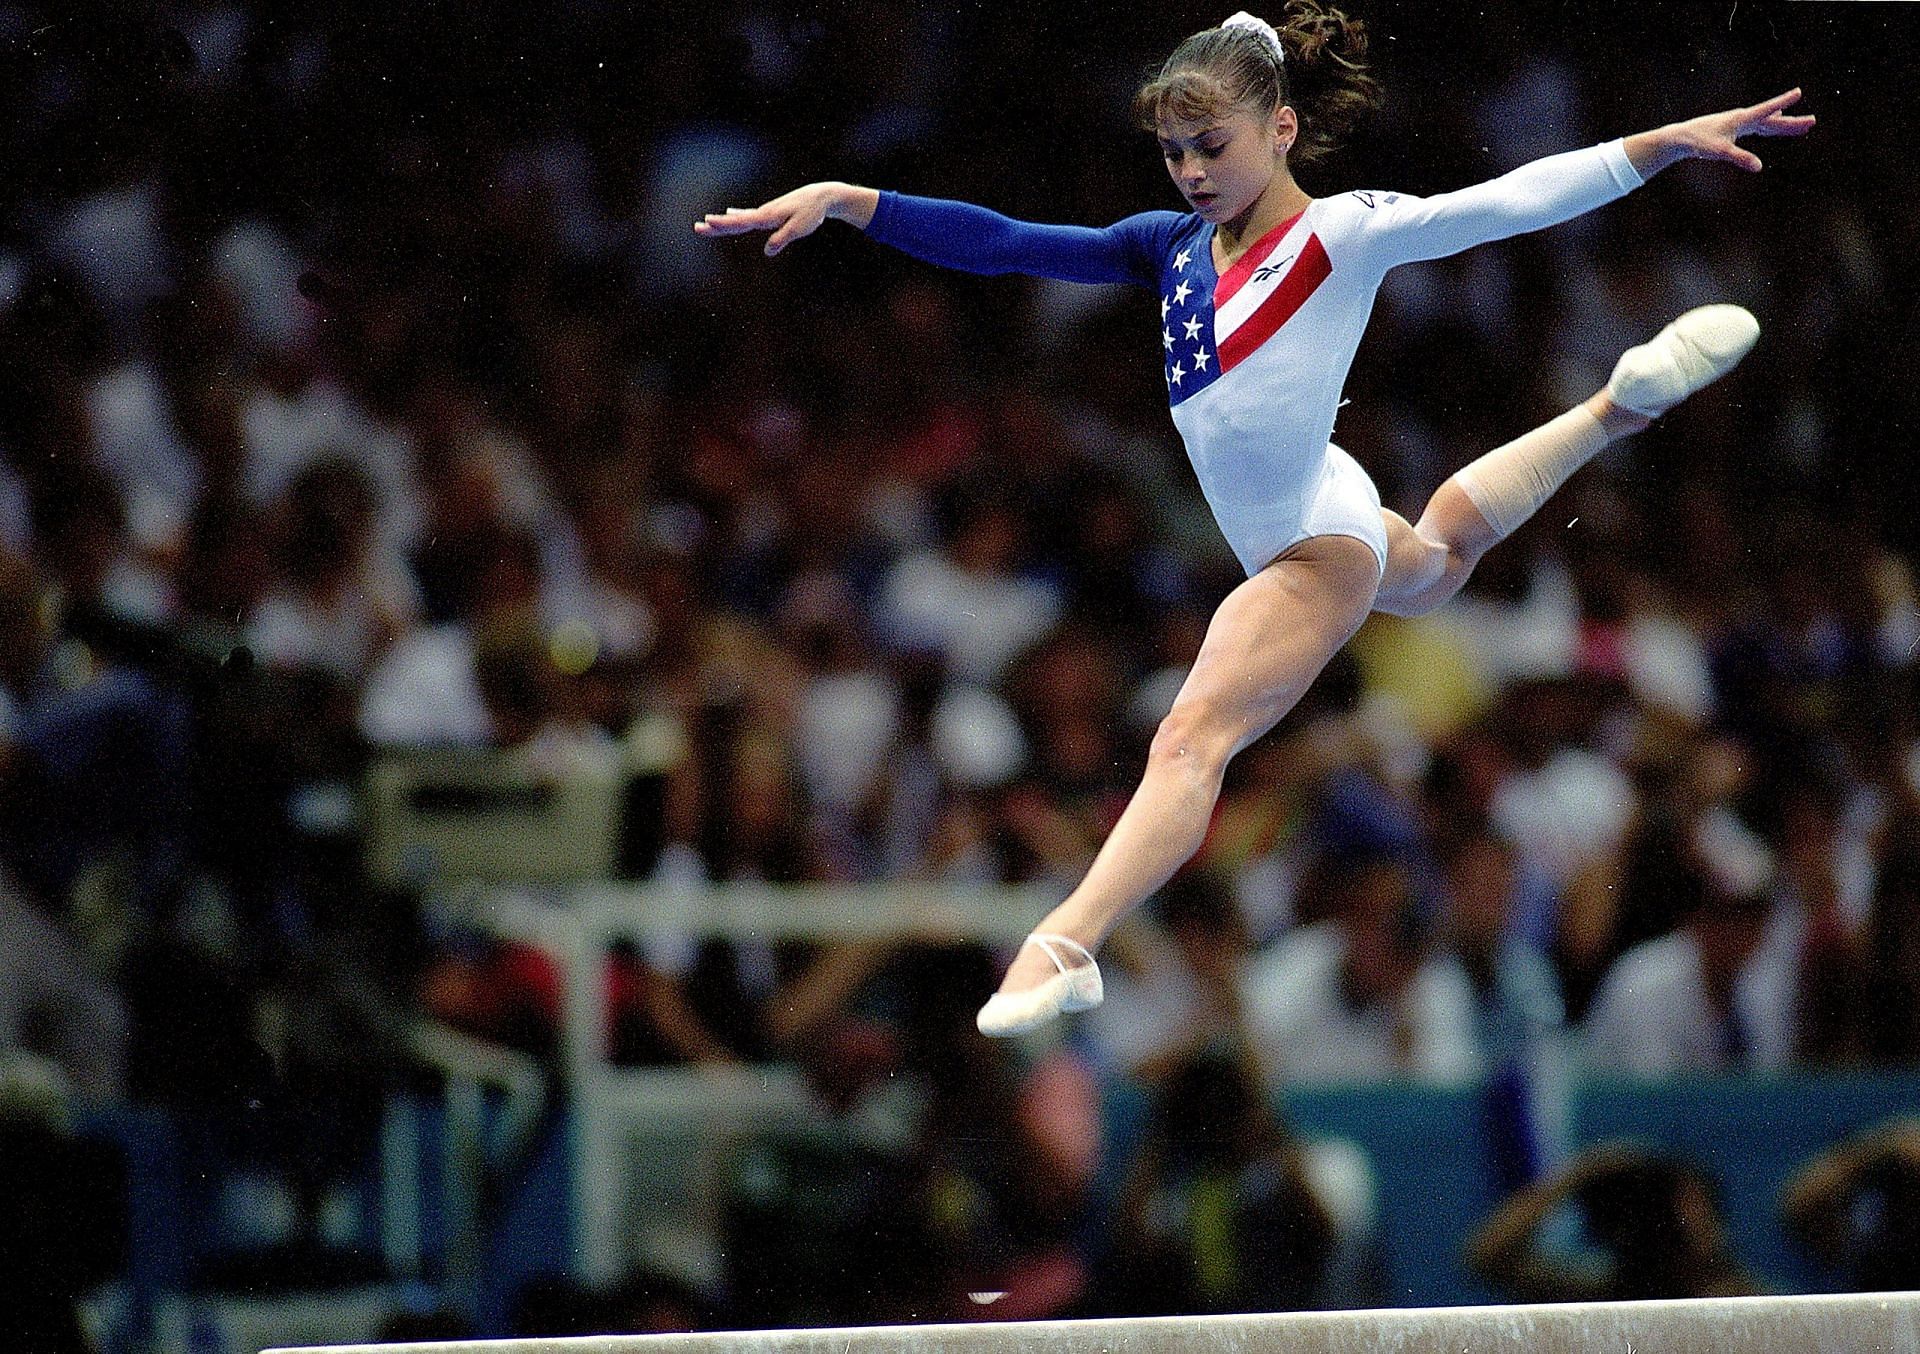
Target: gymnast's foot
<point>1694,351</point>
<point>1073,985</point>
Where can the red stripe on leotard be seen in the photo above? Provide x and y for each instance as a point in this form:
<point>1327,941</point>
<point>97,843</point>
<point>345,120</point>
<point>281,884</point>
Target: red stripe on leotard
<point>1301,281</point>
<point>1242,268</point>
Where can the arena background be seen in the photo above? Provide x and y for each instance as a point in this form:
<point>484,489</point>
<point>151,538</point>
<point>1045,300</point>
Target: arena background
<point>366,390</point>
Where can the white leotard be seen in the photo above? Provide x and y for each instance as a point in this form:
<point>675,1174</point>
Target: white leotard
<point>1255,357</point>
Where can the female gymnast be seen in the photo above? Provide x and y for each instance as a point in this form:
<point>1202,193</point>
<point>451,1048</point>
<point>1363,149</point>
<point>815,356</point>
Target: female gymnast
<point>1264,292</point>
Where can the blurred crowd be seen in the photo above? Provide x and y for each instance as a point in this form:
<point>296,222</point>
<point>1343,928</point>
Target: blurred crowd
<point>368,389</point>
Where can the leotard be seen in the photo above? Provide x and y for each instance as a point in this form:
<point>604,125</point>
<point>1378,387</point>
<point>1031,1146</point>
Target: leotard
<point>1255,357</point>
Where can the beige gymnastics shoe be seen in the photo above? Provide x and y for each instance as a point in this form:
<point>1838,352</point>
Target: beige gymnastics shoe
<point>1694,351</point>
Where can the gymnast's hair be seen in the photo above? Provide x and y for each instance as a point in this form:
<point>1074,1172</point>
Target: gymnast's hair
<point>1324,77</point>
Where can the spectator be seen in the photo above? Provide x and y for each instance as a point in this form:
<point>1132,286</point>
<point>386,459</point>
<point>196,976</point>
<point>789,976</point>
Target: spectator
<point>339,600</point>
<point>426,687</point>
<point>1363,996</point>
<point>55,1005</point>
<point>93,753</point>
<point>1174,989</point>
<point>1566,806</point>
<point>1225,1210</point>
<point>1518,1017</point>
<point>970,601</point>
<point>80,525</point>
<point>1013,1147</point>
<point>1855,1208</point>
<point>1655,1221</point>
<point>1516,998</point>
<point>1709,997</point>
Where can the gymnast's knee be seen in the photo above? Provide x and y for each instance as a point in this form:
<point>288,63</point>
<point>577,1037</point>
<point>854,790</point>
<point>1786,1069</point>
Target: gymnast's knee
<point>1420,575</point>
<point>1195,736</point>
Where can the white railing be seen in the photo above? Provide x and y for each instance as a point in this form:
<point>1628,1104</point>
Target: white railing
<point>651,1144</point>
<point>472,1142</point>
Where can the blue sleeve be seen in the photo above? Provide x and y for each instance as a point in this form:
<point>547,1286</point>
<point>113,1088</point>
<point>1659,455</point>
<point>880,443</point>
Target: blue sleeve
<point>976,240</point>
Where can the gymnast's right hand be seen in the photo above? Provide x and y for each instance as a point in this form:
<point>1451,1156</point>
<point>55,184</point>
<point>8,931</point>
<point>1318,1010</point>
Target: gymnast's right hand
<point>793,216</point>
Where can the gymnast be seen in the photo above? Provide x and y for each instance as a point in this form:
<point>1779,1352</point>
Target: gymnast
<point>1264,292</point>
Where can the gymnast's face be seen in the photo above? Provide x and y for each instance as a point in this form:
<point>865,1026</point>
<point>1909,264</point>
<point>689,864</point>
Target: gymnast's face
<point>1223,164</point>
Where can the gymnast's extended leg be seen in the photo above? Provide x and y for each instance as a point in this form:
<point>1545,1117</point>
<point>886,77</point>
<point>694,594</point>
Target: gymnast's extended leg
<point>1268,640</point>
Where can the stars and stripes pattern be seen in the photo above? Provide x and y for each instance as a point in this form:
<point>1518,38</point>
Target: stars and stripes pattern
<point>1204,334</point>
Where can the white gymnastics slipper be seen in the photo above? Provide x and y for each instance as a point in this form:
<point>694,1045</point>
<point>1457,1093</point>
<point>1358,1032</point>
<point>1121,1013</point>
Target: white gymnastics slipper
<point>1076,987</point>
<point>1694,351</point>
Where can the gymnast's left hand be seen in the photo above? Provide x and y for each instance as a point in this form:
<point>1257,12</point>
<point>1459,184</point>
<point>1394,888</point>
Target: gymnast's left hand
<point>794,216</point>
<point>1715,136</point>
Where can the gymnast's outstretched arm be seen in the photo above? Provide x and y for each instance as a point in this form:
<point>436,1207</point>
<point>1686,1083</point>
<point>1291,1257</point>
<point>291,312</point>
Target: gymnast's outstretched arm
<point>958,234</point>
<point>1388,229</point>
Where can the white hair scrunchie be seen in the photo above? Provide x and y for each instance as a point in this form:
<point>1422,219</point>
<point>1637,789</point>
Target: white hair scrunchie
<point>1261,27</point>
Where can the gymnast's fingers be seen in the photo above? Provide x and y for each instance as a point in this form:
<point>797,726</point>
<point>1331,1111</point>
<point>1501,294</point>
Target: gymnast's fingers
<point>1776,124</point>
<point>1770,118</point>
<point>794,228</point>
<point>1775,104</point>
<point>738,221</point>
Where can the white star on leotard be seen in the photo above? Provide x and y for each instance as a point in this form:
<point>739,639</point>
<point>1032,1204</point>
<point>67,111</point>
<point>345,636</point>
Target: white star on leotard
<point>1166,339</point>
<point>1165,306</point>
<point>1176,374</point>
<point>1180,259</point>
<point>1180,292</point>
<point>1193,327</point>
<point>1200,359</point>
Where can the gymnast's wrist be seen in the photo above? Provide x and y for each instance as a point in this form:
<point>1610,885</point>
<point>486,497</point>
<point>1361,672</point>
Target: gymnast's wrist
<point>852,204</point>
<point>1651,152</point>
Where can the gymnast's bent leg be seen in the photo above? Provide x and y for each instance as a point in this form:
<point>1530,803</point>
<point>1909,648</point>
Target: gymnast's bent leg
<point>1487,500</point>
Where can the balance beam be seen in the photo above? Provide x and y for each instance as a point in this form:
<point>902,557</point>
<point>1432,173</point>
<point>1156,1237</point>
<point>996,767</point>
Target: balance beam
<point>1850,1323</point>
